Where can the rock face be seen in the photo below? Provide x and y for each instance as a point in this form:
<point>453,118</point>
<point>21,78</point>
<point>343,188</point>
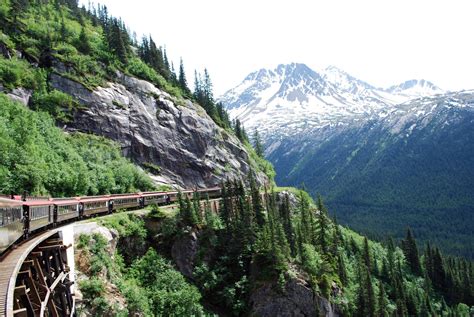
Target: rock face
<point>82,269</point>
<point>295,299</point>
<point>151,127</point>
<point>20,95</point>
<point>184,252</point>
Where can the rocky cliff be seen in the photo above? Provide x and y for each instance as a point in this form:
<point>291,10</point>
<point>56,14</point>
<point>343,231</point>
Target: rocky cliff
<point>155,128</point>
<point>294,298</point>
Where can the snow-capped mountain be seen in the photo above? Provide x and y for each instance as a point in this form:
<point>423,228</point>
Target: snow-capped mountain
<point>293,98</point>
<point>378,156</point>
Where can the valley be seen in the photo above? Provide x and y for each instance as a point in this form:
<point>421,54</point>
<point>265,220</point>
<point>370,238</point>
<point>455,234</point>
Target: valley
<point>384,159</point>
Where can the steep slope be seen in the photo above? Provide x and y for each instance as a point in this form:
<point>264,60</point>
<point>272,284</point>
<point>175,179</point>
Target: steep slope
<point>82,67</point>
<point>181,140</point>
<point>409,169</point>
<point>383,164</point>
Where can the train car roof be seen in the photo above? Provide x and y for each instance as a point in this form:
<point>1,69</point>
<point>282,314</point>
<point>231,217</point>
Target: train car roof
<point>66,202</point>
<point>38,203</point>
<point>154,193</point>
<point>89,200</point>
<point>94,197</point>
<point>5,202</point>
<point>125,196</point>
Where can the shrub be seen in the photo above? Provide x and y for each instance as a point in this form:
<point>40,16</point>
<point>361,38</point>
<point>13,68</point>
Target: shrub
<point>57,103</point>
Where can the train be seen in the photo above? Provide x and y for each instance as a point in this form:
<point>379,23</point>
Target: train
<point>21,217</point>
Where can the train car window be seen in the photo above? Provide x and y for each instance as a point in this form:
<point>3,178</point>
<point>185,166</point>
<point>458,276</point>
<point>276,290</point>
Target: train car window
<point>10,215</point>
<point>39,212</point>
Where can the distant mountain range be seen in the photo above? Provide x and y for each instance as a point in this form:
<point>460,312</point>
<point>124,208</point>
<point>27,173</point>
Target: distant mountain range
<point>383,158</point>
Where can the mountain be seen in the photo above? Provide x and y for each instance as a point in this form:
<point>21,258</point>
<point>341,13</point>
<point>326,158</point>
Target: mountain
<point>89,75</point>
<point>93,109</point>
<point>383,158</point>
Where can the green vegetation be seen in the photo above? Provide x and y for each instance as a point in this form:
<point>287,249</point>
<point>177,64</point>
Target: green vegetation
<point>254,242</point>
<point>378,183</point>
<point>152,168</point>
<point>16,72</point>
<point>37,157</point>
<point>57,103</point>
<point>149,283</point>
<point>85,45</point>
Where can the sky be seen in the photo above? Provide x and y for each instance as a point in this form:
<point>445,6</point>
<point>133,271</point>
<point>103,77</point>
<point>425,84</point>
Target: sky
<point>382,42</point>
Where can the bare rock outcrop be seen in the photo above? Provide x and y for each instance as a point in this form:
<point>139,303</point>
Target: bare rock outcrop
<point>184,251</point>
<point>294,298</point>
<point>153,127</point>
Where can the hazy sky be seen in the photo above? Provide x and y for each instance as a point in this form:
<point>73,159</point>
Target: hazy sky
<point>381,42</point>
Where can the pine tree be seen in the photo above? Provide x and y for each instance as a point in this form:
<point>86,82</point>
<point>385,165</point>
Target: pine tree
<point>238,130</point>
<point>17,8</point>
<point>382,309</point>
<point>361,300</point>
<point>183,84</point>
<point>256,201</point>
<point>223,115</point>
<point>83,44</point>
<point>197,207</point>
<point>117,42</point>
<point>323,227</point>
<point>367,257</point>
<point>341,270</point>
<point>411,253</point>
<point>370,294</point>
<point>187,214</point>
<point>285,215</point>
<point>306,218</point>
<point>63,31</point>
<point>257,144</point>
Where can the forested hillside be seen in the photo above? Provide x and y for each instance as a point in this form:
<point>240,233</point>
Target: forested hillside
<point>75,69</point>
<point>90,74</point>
<point>378,179</point>
<point>274,257</point>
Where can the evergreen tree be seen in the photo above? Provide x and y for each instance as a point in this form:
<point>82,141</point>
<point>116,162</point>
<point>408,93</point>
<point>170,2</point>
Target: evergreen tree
<point>285,215</point>
<point>323,227</point>
<point>187,213</point>
<point>257,144</point>
<point>361,300</point>
<point>341,270</point>
<point>117,42</point>
<point>63,31</point>
<point>17,8</point>
<point>382,309</point>
<point>183,84</point>
<point>366,253</point>
<point>306,218</point>
<point>197,207</point>
<point>223,115</point>
<point>411,253</point>
<point>370,294</point>
<point>83,44</point>
<point>256,201</point>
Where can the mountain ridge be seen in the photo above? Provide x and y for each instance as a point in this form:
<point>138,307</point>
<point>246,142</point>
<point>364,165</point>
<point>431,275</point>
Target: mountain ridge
<point>347,145</point>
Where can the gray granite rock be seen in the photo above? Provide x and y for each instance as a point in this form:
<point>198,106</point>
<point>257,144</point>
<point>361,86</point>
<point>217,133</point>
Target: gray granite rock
<point>152,127</point>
